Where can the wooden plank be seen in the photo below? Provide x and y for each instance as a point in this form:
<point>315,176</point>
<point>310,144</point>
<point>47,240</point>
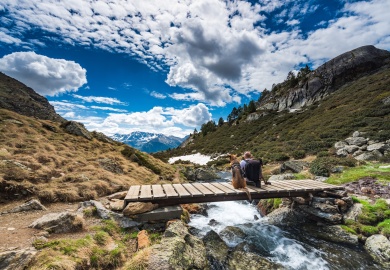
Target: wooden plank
<point>191,189</point>
<point>202,188</point>
<point>231,187</point>
<point>224,189</point>
<point>146,192</point>
<point>133,193</point>
<point>169,191</point>
<point>288,185</point>
<point>213,188</point>
<point>181,190</point>
<point>158,191</point>
<point>275,186</point>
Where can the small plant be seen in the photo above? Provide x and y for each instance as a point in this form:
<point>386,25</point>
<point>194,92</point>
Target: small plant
<point>101,237</point>
<point>298,154</point>
<point>367,230</point>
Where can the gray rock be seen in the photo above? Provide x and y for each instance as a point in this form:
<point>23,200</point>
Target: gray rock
<point>216,249</point>
<point>279,177</point>
<point>16,259</point>
<point>285,216</point>
<point>178,249</point>
<point>320,178</point>
<point>337,169</point>
<point>294,166</point>
<point>356,134</point>
<point>318,214</point>
<point>340,144</point>
<point>342,152</point>
<point>366,156</point>
<point>325,207</point>
<point>386,101</point>
<point>381,147</point>
<point>232,234</point>
<point>201,174</point>
<point>336,234</point>
<point>104,213</point>
<point>351,148</point>
<point>359,141</point>
<point>110,165</point>
<point>243,260</point>
<point>64,222</point>
<point>358,153</point>
<point>77,128</point>
<point>28,206</point>
<point>378,246</point>
<point>354,211</point>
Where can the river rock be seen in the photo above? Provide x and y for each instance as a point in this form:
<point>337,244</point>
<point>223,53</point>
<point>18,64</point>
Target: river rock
<point>178,249</point>
<point>216,249</point>
<point>337,234</point>
<point>241,259</point>
<point>318,215</point>
<point>232,234</point>
<point>285,216</point>
<point>16,259</point>
<point>138,208</point>
<point>28,206</point>
<point>64,222</point>
<point>378,246</point>
<point>200,174</point>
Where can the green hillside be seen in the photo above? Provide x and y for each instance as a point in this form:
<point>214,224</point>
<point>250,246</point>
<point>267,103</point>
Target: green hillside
<point>361,105</point>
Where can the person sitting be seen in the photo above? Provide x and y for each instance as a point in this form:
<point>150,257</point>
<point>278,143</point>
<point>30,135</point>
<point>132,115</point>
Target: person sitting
<point>252,169</point>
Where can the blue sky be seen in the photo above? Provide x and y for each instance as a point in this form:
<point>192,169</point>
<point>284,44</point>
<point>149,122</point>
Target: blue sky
<point>168,66</point>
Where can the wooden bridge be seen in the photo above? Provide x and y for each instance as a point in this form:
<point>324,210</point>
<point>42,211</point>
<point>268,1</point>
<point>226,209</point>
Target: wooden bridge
<point>173,194</point>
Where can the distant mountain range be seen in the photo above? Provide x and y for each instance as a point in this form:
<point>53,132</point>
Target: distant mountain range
<point>149,142</point>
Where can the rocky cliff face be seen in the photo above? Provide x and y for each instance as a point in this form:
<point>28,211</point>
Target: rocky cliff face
<point>17,97</point>
<point>326,79</point>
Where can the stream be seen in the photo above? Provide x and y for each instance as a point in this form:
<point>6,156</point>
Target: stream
<point>293,248</point>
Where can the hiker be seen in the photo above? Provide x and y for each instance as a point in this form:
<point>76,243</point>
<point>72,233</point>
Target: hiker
<point>252,169</point>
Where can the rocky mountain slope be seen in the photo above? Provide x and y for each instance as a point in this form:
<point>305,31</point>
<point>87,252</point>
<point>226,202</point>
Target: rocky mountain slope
<point>17,97</point>
<point>309,115</point>
<point>43,155</point>
<point>148,142</point>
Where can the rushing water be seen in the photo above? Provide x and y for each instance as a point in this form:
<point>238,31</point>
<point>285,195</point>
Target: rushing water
<point>293,248</point>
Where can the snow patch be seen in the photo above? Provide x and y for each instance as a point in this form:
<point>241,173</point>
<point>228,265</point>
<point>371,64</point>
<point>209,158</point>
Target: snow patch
<point>194,158</point>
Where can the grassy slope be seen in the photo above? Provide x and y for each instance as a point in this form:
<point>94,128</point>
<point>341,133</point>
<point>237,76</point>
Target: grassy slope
<point>356,106</point>
<point>65,167</point>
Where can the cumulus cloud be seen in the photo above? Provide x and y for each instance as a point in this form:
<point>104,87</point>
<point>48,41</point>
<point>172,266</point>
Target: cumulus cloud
<point>47,76</point>
<point>216,50</point>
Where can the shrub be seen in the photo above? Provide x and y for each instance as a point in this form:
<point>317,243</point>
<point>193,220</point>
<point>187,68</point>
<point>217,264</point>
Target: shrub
<point>298,154</point>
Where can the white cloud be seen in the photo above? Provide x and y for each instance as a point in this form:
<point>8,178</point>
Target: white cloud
<point>45,75</point>
<point>107,109</point>
<point>67,106</point>
<point>217,50</point>
<point>106,100</point>
<point>158,95</point>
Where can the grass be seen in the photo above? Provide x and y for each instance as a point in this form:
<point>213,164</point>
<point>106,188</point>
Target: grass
<point>356,173</point>
<point>107,248</point>
<point>374,219</point>
<point>58,166</point>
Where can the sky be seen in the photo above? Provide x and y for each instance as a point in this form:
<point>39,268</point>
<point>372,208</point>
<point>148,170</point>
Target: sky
<point>169,66</point>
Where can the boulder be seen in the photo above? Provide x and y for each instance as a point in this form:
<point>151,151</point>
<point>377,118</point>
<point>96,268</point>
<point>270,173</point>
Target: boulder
<point>340,144</point>
<point>294,166</point>
<point>366,156</point>
<point>232,234</point>
<point>216,249</point>
<point>285,216</point>
<point>319,215</point>
<point>351,148</point>
<point>117,205</point>
<point>110,165</point>
<point>138,208</point>
<point>119,195</point>
<point>342,152</point>
<point>28,206</point>
<point>359,141</point>
<point>378,246</point>
<point>200,174</point>
<point>381,147</point>
<point>337,234</point>
<point>64,222</point>
<point>240,259</point>
<point>178,249</point>
<point>16,259</point>
<point>76,128</point>
<point>354,212</point>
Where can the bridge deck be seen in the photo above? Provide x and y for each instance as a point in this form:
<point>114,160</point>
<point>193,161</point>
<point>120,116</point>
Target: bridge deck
<point>172,194</point>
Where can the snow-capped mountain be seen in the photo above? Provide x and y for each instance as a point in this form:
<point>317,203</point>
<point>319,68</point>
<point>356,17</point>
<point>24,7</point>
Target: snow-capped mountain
<point>148,142</point>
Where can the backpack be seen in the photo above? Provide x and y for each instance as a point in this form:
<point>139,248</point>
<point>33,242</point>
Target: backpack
<point>252,170</point>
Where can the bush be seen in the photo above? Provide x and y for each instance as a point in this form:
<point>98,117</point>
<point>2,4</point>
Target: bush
<point>298,154</point>
<point>322,165</point>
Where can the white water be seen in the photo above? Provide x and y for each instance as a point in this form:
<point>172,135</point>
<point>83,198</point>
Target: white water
<point>271,241</point>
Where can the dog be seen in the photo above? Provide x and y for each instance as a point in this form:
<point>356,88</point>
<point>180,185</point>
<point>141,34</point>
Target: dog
<point>238,181</point>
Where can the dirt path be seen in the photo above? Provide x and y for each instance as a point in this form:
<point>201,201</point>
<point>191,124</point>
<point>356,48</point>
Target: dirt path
<point>14,231</point>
